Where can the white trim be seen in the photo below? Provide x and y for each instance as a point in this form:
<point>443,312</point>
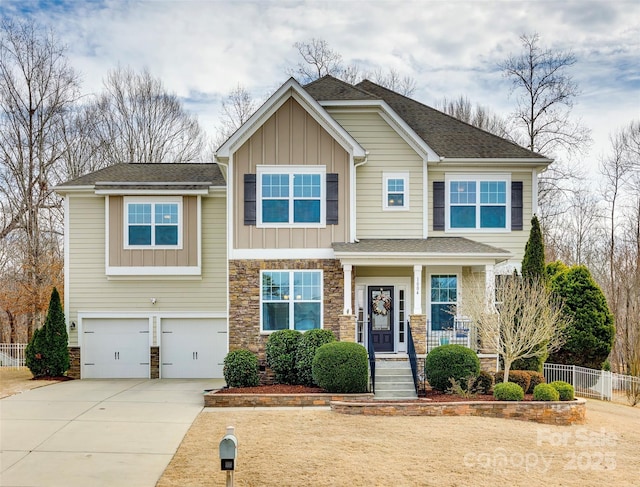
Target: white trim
<point>153,201</point>
<point>250,254</point>
<point>107,236</point>
<point>66,264</point>
<point>290,89</point>
<point>230,208</point>
<point>417,289</point>
<point>152,192</point>
<point>477,178</point>
<point>154,271</point>
<point>199,231</point>
<point>346,295</point>
<point>320,170</point>
<point>534,193</point>
<point>425,199</point>
<point>404,176</point>
<point>537,162</point>
<point>386,259</point>
<point>353,227</point>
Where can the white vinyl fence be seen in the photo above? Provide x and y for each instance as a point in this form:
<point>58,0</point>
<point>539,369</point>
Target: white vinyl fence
<point>595,384</point>
<point>12,354</point>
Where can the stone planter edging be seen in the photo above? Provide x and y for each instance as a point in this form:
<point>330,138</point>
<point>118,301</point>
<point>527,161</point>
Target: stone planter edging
<point>213,400</point>
<point>547,412</point>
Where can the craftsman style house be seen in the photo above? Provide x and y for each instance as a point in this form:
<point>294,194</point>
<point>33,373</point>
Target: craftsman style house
<point>350,208</point>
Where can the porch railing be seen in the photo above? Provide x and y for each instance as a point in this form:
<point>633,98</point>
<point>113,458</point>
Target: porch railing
<point>372,357</point>
<point>460,333</point>
<point>12,354</point>
<point>413,360</point>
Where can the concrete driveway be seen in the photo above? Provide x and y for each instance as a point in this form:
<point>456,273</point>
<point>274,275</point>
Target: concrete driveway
<point>120,432</point>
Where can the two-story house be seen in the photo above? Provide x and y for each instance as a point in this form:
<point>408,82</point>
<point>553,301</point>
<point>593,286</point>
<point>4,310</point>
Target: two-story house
<point>351,208</point>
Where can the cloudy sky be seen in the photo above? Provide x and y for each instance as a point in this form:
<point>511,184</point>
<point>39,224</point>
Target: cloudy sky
<point>203,49</point>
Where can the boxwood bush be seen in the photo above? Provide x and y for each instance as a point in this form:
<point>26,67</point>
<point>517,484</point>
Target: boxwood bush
<point>536,378</point>
<point>241,369</point>
<point>508,391</point>
<point>308,344</point>
<point>484,382</point>
<point>545,392</point>
<point>281,355</point>
<point>565,390</point>
<point>341,367</point>
<point>450,361</point>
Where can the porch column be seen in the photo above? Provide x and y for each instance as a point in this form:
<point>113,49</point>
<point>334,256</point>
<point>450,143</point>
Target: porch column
<point>417,289</point>
<point>490,286</point>
<point>347,268</point>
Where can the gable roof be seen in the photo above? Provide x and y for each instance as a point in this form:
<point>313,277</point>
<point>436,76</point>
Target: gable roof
<point>182,176</point>
<point>447,136</point>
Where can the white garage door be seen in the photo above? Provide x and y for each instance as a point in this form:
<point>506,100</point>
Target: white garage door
<point>115,348</point>
<point>192,348</point>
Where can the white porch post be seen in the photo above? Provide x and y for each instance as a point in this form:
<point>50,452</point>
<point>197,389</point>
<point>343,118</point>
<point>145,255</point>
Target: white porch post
<point>347,268</point>
<point>417,289</point>
<point>490,286</point>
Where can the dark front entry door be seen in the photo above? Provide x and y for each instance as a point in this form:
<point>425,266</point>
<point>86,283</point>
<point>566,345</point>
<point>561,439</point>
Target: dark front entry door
<point>381,316</point>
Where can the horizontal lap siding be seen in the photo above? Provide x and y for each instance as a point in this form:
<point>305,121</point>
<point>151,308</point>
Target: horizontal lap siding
<point>513,241</point>
<point>388,153</point>
<point>91,291</point>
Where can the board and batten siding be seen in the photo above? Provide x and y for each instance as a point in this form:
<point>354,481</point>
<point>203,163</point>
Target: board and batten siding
<point>514,241</point>
<point>290,137</point>
<point>388,153</point>
<point>90,290</point>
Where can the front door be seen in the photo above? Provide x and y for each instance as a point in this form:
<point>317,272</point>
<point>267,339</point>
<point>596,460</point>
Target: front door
<point>381,313</point>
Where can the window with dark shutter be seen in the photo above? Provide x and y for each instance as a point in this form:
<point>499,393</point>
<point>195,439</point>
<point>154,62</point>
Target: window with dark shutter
<point>249,199</point>
<point>516,205</point>
<point>438,205</point>
<point>332,199</point>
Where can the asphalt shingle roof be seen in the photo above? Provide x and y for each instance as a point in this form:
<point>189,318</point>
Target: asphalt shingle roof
<point>177,176</point>
<point>431,245</point>
<point>446,135</point>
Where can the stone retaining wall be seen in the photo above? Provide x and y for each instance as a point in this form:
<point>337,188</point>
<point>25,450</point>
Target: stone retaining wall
<point>214,400</point>
<point>558,413</point>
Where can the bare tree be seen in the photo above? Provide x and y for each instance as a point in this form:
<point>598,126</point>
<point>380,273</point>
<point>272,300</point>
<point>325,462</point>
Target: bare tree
<point>37,90</point>
<point>478,116</point>
<point>138,121</point>
<point>529,322</point>
<point>237,107</point>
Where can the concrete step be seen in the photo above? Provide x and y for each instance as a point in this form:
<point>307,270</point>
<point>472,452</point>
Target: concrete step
<point>395,395</point>
<point>394,386</point>
<point>393,373</point>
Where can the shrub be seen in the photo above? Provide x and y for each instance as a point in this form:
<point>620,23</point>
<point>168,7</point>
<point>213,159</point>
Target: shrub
<point>34,354</point>
<point>520,377</point>
<point>508,391</point>
<point>281,355</point>
<point>341,367</point>
<point>545,392</point>
<point>565,390</point>
<point>464,388</point>
<point>241,369</point>
<point>309,342</point>
<point>450,361</point>
<point>484,382</point>
<point>535,364</point>
<point>536,378</point>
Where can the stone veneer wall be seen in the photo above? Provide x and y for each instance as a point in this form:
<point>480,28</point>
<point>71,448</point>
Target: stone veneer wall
<point>74,360</point>
<point>244,300</point>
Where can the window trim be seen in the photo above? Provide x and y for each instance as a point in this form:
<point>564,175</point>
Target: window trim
<point>385,190</point>
<point>291,301</point>
<point>477,178</point>
<point>153,201</point>
<point>290,170</point>
<point>431,302</point>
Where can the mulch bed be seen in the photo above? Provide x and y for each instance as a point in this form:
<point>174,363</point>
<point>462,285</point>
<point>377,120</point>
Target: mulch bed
<point>59,378</point>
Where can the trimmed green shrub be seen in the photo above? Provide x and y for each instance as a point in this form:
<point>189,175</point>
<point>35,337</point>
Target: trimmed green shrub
<point>281,355</point>
<point>341,367</point>
<point>508,391</point>
<point>484,382</point>
<point>565,390</point>
<point>533,259</point>
<point>241,369</point>
<point>536,378</point>
<point>535,364</point>
<point>520,377</point>
<point>309,342</point>
<point>450,361</point>
<point>545,392</point>
<point>47,354</point>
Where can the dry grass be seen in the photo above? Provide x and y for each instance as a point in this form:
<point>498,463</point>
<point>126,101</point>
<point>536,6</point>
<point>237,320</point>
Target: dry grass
<point>322,448</point>
<point>14,381</point>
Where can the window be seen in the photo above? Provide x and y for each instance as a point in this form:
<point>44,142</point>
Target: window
<point>291,300</point>
<point>291,196</point>
<point>478,204</point>
<point>152,224</point>
<point>396,191</point>
<point>444,296</point>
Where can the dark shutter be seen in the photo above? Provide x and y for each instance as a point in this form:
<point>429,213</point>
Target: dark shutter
<point>516,205</point>
<point>249,199</point>
<point>438,205</point>
<point>332,199</point>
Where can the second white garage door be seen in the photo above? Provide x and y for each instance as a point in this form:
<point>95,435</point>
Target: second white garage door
<point>192,348</point>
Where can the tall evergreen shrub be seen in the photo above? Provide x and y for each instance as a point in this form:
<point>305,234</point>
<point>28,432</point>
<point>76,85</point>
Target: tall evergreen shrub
<point>533,260</point>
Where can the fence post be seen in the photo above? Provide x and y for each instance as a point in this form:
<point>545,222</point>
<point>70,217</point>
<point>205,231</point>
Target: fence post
<point>573,376</point>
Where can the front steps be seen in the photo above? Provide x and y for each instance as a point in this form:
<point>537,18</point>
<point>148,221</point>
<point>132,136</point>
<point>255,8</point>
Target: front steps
<point>394,380</point>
